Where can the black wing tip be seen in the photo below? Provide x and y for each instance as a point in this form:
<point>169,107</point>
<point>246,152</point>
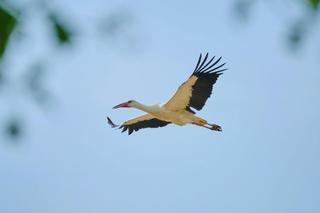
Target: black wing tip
<point>110,122</point>
<point>123,127</point>
<point>220,72</point>
<point>203,67</point>
<point>127,128</point>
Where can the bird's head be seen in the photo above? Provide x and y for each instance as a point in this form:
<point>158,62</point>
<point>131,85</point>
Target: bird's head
<point>130,103</point>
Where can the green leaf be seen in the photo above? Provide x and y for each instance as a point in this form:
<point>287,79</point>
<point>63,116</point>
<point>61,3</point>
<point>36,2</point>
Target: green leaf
<point>62,34</point>
<point>314,4</point>
<point>7,24</point>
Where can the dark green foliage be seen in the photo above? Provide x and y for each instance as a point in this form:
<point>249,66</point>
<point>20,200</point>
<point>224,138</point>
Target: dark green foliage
<point>314,4</point>
<point>62,33</point>
<point>7,24</point>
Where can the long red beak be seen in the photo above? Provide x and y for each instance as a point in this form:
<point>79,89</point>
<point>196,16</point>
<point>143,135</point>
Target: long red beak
<point>125,104</point>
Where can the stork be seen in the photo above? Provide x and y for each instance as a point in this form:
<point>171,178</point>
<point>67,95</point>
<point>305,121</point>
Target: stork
<point>192,94</point>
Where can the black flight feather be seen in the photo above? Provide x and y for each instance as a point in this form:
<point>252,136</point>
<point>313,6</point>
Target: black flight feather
<point>207,76</point>
<point>151,123</point>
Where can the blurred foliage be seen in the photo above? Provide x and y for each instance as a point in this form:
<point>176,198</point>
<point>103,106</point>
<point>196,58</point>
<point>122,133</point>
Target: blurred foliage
<point>7,22</point>
<point>1,76</point>
<point>297,30</point>
<point>242,9</point>
<point>116,28</point>
<point>13,129</point>
<point>62,33</point>
<point>35,83</point>
<point>296,34</point>
<point>314,4</point>
<point>115,23</point>
<point>32,81</point>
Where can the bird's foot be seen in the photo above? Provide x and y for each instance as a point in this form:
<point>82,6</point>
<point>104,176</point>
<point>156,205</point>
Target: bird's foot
<point>215,127</point>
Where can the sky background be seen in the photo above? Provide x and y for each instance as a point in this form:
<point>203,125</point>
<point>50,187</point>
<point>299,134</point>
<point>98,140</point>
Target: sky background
<point>265,160</point>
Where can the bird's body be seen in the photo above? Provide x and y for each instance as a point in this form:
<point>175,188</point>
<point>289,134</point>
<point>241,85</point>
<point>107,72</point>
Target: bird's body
<point>178,117</point>
<point>192,94</point>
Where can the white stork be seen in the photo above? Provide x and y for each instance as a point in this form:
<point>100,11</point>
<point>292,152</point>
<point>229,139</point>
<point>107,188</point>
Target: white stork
<point>193,93</point>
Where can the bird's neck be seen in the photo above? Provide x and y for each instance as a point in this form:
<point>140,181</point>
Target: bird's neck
<point>143,107</point>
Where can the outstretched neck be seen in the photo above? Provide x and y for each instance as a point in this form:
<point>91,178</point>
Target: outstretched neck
<point>142,107</point>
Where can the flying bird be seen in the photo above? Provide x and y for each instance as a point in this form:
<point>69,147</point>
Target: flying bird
<point>191,95</point>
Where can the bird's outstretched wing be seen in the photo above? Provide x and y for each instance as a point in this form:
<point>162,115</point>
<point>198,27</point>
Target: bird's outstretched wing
<point>140,122</point>
<point>197,89</point>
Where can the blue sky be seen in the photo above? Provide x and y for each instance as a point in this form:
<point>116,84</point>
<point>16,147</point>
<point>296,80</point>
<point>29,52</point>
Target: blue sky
<point>265,160</point>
